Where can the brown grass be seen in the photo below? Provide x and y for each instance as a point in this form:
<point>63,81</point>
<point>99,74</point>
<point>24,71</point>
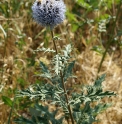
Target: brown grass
<point>14,63</point>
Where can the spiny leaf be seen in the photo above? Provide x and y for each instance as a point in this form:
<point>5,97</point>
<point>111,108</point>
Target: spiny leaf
<point>67,50</point>
<point>48,50</point>
<point>44,68</point>
<point>99,81</point>
<point>57,61</point>
<point>68,70</point>
<point>100,107</point>
<point>22,120</point>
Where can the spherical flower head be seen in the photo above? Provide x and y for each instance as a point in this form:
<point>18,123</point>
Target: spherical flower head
<point>49,13</point>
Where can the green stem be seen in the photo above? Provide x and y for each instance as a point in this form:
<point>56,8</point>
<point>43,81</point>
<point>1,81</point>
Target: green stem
<point>62,80</point>
<point>66,96</point>
<point>110,40</point>
<point>12,108</point>
<point>54,42</point>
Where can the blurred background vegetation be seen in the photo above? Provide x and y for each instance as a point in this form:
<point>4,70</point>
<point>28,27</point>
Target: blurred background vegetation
<point>92,26</point>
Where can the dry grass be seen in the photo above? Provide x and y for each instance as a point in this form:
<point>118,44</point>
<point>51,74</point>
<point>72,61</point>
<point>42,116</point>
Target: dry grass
<point>89,62</point>
<point>16,60</point>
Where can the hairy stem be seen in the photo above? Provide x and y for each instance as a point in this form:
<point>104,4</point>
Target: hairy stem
<point>54,42</point>
<point>62,80</point>
<point>110,40</point>
<point>66,96</point>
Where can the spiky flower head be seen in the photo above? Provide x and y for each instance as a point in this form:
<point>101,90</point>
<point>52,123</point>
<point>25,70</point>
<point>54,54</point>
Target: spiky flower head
<point>49,13</point>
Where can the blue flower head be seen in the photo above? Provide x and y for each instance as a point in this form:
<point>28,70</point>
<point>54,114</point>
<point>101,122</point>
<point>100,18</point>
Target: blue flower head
<point>49,13</point>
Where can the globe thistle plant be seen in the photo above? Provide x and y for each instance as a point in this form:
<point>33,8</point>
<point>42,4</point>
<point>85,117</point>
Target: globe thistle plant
<point>49,13</point>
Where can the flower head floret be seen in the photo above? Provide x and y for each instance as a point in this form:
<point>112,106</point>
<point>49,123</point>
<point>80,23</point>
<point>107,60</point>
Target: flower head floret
<point>49,13</point>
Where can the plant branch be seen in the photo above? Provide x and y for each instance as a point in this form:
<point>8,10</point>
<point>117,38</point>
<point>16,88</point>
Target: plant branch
<point>54,42</point>
<point>62,80</point>
<point>66,96</point>
<point>112,36</point>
